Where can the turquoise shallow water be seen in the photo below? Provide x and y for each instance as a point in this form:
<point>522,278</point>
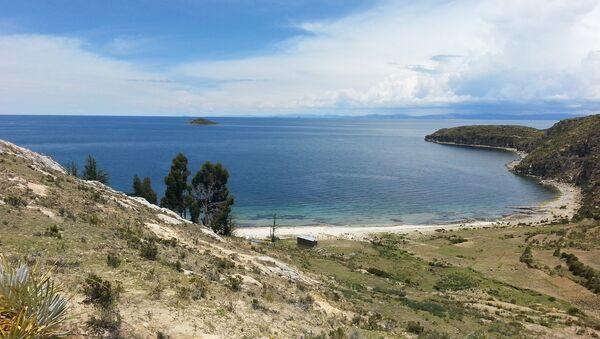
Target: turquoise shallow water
<point>307,171</point>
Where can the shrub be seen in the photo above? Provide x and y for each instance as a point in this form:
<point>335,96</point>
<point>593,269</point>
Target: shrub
<point>100,292</point>
<point>380,273</point>
<point>426,305</point>
<point>527,257</point>
<point>223,263</point>
<point>456,239</point>
<point>53,231</point>
<point>113,260</point>
<point>235,282</point>
<point>591,277</point>
<point>177,266</point>
<point>103,295</point>
<point>199,288</point>
<point>455,282</point>
<point>183,292</point>
<point>149,250</point>
<point>16,201</point>
<point>31,305</point>
<point>306,302</point>
<point>414,327</point>
<point>390,291</point>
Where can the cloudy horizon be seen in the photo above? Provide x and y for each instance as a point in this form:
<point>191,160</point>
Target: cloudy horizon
<point>271,57</point>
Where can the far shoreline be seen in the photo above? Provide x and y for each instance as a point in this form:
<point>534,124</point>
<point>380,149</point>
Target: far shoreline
<point>563,207</point>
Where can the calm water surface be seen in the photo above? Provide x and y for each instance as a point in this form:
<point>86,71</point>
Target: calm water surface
<point>307,171</point>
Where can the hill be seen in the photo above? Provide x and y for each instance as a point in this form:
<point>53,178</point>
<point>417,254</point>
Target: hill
<point>134,270</point>
<point>505,136</point>
<point>569,152</point>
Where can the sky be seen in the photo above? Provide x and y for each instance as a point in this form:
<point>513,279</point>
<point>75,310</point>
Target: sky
<point>293,57</point>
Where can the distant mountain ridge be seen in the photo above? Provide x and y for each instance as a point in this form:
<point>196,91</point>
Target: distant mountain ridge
<point>569,151</point>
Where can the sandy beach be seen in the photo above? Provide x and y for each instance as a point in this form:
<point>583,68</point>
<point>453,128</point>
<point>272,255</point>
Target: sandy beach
<point>563,207</point>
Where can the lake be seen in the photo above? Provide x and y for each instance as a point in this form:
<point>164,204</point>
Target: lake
<point>308,171</point>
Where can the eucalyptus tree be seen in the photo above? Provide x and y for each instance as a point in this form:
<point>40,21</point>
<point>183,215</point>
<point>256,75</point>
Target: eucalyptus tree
<point>211,194</point>
<point>177,186</point>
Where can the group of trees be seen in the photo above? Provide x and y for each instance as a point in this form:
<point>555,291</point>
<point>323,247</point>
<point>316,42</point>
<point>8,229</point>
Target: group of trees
<point>206,199</point>
<point>90,171</point>
<point>143,188</point>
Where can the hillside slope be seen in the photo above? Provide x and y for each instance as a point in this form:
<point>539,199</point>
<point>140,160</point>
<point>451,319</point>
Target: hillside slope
<point>171,278</point>
<point>569,152</point>
<point>505,136</point>
<point>195,284</point>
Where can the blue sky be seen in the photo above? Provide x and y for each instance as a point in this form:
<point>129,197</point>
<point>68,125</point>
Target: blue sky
<point>172,31</point>
<point>271,57</point>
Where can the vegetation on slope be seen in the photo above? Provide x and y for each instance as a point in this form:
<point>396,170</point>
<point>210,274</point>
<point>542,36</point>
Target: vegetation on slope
<point>136,270</point>
<point>506,136</point>
<point>569,151</point>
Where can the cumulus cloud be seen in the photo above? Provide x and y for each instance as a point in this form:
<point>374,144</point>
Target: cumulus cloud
<point>402,53</point>
<point>396,54</point>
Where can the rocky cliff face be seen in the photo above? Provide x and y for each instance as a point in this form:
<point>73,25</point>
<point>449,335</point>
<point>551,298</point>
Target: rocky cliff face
<point>569,151</point>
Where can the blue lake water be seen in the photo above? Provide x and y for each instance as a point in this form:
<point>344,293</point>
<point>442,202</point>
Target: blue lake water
<point>307,171</point>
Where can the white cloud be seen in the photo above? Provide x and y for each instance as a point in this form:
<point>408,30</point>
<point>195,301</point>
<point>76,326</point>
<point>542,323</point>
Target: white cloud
<point>442,52</point>
<point>396,54</point>
<point>53,75</point>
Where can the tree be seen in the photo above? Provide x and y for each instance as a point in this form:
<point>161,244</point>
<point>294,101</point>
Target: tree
<point>209,188</point>
<point>72,168</point>
<point>149,193</point>
<point>144,189</point>
<point>177,186</point>
<point>91,171</point>
<point>137,186</point>
<point>193,206</point>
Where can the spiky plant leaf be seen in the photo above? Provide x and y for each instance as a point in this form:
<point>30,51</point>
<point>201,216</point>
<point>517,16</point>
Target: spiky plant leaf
<point>31,305</point>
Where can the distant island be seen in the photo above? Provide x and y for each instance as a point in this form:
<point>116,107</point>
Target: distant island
<point>202,121</point>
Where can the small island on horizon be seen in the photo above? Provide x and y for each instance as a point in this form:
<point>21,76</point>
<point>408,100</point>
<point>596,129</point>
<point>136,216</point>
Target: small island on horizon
<point>202,121</point>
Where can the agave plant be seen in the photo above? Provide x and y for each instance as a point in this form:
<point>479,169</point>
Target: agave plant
<point>31,305</point>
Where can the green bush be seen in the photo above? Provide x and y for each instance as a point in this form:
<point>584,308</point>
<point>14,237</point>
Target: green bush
<point>380,273</point>
<point>100,292</point>
<point>149,250</point>
<point>113,260</point>
<point>427,306</point>
<point>527,257</point>
<point>390,291</point>
<point>53,231</point>
<point>456,282</point>
<point>414,327</point>
<point>103,295</point>
<point>591,277</point>
<point>16,201</point>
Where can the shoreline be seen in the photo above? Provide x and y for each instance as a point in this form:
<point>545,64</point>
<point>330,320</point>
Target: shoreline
<point>565,206</point>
